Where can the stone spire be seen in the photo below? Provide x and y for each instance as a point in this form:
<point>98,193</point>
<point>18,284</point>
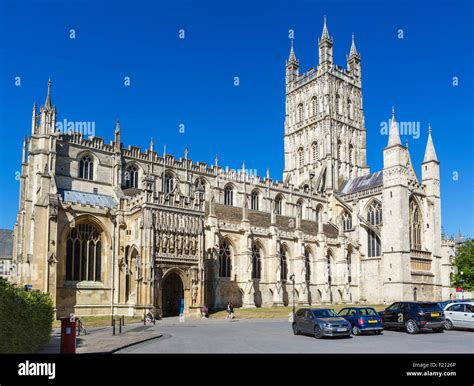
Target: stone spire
<point>394,136</point>
<point>292,57</point>
<point>430,153</point>
<point>325,34</point>
<point>47,104</point>
<point>152,144</point>
<point>353,51</point>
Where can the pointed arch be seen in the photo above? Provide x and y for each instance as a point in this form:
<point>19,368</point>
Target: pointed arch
<point>254,199</point>
<point>131,175</point>
<point>256,260</point>
<point>284,262</point>
<point>415,224</point>
<point>229,195</point>
<point>225,258</point>
<point>279,204</point>
<point>168,182</point>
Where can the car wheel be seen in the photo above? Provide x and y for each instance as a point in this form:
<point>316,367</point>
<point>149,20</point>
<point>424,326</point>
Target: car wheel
<point>377,332</point>
<point>355,330</point>
<point>318,334</point>
<point>296,330</point>
<point>448,325</point>
<point>411,327</point>
<point>441,329</point>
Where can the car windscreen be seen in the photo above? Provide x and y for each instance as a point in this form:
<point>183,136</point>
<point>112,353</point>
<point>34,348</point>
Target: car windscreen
<point>427,307</point>
<point>367,312</point>
<point>324,313</point>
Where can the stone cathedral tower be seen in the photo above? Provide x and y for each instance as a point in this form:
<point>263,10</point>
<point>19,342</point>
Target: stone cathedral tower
<point>325,136</point>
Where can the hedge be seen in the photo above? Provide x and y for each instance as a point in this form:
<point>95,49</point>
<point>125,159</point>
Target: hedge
<point>26,319</point>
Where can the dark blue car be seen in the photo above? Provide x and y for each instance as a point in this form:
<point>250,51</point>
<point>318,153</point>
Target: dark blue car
<point>362,319</point>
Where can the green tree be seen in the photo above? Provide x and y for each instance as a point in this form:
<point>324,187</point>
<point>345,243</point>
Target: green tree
<point>464,262</point>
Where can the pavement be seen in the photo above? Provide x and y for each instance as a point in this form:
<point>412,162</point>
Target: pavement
<point>276,336</point>
<point>102,340</point>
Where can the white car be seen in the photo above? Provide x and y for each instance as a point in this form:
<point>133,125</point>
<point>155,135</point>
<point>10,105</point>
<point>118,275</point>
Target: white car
<point>459,315</point>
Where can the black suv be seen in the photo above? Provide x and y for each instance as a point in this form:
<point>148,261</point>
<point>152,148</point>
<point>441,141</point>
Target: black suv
<point>413,316</point>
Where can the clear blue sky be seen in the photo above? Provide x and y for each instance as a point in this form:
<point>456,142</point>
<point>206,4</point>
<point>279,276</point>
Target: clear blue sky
<point>190,81</point>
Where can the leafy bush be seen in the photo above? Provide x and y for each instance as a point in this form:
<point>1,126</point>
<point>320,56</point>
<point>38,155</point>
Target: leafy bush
<point>26,319</point>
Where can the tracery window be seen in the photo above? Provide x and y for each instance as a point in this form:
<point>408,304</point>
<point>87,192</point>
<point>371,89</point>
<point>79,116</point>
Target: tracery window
<point>279,205</point>
<point>374,217</point>
<point>315,152</point>
<point>131,177</point>
<point>307,263</point>
<point>228,195</point>
<point>254,200</point>
<point>224,260</point>
<point>83,253</point>
<point>415,226</point>
<point>314,106</point>
<point>168,183</point>
<point>256,262</point>
<point>346,221</point>
<point>300,113</point>
<point>86,168</point>
<point>283,264</point>
<point>300,157</point>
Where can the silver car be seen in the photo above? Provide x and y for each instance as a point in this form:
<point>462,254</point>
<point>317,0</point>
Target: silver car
<point>459,315</point>
<point>320,322</point>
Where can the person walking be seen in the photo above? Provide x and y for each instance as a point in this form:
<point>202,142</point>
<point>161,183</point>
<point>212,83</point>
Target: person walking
<point>231,310</point>
<point>228,311</point>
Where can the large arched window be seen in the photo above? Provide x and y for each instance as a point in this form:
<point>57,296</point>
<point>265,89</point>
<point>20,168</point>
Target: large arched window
<point>83,253</point>
<point>374,217</point>
<point>168,183</point>
<point>300,157</point>
<point>283,264</point>
<point>415,226</point>
<point>307,265</point>
<point>256,262</point>
<point>254,200</point>
<point>279,205</point>
<point>349,108</point>
<point>224,260</point>
<point>346,221</point>
<point>228,195</point>
<point>131,177</point>
<point>86,168</point>
<point>300,116</point>
<point>351,154</point>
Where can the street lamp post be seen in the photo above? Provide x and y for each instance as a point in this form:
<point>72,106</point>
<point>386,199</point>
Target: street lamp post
<point>461,281</point>
<point>292,278</point>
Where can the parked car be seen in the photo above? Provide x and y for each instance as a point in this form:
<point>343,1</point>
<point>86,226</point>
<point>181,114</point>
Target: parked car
<point>320,322</point>
<point>444,303</point>
<point>362,319</point>
<point>459,315</point>
<point>413,316</point>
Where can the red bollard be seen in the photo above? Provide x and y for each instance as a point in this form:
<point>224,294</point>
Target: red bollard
<point>68,334</point>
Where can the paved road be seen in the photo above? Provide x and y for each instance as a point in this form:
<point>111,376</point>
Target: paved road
<point>275,336</point>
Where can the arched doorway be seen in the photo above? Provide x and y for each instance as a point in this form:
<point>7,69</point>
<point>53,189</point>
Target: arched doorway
<point>173,292</point>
